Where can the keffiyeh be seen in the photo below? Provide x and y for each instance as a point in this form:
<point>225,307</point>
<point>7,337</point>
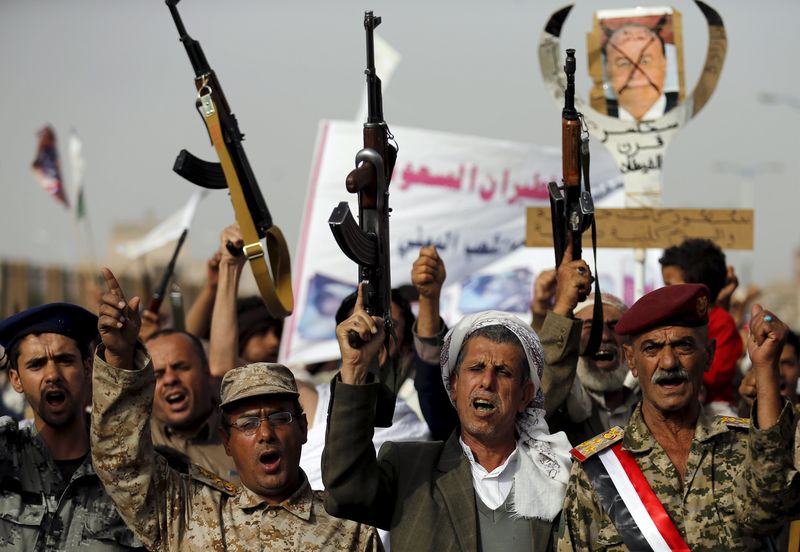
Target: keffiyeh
<point>544,461</point>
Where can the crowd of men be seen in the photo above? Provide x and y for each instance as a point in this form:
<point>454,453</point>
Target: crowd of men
<point>677,433</point>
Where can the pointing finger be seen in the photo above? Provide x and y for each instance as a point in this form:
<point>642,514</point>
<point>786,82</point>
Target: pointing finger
<point>112,284</point>
<point>359,299</point>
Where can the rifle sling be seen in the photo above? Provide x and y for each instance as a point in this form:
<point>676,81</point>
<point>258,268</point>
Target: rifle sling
<point>596,334</point>
<point>277,296</point>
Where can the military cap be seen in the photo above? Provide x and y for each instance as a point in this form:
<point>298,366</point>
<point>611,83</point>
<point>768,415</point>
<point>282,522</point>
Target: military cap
<point>676,305</point>
<point>256,380</point>
<point>60,318</point>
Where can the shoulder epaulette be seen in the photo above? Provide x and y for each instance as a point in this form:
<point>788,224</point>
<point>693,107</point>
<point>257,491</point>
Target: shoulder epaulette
<point>733,421</point>
<point>211,479</point>
<point>597,443</point>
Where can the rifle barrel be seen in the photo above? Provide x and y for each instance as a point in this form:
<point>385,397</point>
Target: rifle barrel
<point>193,49</point>
<point>172,5</point>
<point>569,94</point>
<point>374,98</point>
<point>158,294</point>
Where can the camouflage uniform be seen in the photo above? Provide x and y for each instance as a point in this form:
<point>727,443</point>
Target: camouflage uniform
<point>739,481</point>
<point>40,511</point>
<point>199,511</point>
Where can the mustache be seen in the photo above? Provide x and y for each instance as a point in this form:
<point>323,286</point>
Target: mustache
<point>660,375</point>
<point>484,396</point>
<point>54,387</point>
<point>173,387</point>
<point>609,347</point>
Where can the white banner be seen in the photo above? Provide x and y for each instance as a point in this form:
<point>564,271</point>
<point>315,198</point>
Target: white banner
<point>466,195</point>
<point>168,230</point>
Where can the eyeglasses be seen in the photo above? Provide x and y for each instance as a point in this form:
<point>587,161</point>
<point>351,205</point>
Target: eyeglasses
<point>250,424</point>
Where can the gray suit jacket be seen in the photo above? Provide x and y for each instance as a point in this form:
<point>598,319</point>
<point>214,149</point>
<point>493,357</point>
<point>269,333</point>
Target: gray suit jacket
<point>422,492</point>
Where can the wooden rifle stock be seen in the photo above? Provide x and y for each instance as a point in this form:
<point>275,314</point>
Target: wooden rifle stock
<point>571,171</point>
<point>361,180</point>
<point>571,206</point>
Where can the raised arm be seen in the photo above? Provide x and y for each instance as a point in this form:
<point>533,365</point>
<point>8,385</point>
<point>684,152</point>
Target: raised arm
<point>198,318</point>
<point>223,350</point>
<point>357,486</point>
<point>560,333</point>
<point>428,275</point>
<point>770,489</point>
<point>137,480</point>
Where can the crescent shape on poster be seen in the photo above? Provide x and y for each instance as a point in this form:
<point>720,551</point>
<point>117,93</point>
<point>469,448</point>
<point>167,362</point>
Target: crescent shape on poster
<point>550,58</point>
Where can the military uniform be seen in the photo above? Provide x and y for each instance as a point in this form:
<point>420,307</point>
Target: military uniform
<point>739,485</point>
<point>41,511</point>
<point>202,447</point>
<point>198,511</point>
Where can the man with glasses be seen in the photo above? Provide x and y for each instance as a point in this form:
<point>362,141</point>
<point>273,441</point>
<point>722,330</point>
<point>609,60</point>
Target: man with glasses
<point>263,431</point>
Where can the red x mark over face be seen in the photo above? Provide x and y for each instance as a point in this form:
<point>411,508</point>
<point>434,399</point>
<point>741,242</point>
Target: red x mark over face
<point>636,67</point>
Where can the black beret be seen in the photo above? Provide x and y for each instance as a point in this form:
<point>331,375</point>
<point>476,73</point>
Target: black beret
<point>676,305</point>
<point>60,318</point>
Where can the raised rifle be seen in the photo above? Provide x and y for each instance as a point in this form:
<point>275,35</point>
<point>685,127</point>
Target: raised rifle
<point>571,204</point>
<point>367,243</point>
<point>158,295</point>
<point>233,172</point>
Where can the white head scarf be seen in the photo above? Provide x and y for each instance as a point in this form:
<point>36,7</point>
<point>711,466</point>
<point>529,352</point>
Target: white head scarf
<point>544,461</point>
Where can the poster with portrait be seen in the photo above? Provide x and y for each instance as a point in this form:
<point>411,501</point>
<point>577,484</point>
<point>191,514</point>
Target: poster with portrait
<point>636,62</point>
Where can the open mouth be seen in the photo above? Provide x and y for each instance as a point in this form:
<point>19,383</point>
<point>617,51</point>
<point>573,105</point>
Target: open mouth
<point>482,405</point>
<point>176,400</point>
<point>270,460</point>
<point>55,397</point>
<point>605,355</point>
<point>671,381</point>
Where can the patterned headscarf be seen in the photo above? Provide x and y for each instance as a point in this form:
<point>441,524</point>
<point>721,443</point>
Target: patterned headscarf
<point>543,470</point>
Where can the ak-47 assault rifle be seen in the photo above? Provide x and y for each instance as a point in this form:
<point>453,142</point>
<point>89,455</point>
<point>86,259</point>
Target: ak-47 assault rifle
<point>233,172</point>
<point>367,242</point>
<point>571,205</point>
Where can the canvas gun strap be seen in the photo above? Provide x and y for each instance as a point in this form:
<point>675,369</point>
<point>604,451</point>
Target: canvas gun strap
<point>277,295</point>
<point>596,334</point>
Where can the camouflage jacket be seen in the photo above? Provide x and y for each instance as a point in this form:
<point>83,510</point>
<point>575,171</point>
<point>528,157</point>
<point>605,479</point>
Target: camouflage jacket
<point>41,511</point>
<point>197,511</point>
<point>739,486</point>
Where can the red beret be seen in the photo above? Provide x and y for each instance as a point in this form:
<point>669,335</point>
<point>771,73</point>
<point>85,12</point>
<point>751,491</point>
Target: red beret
<point>676,305</point>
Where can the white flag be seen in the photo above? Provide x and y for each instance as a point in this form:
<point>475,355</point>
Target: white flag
<point>75,152</point>
<point>170,229</point>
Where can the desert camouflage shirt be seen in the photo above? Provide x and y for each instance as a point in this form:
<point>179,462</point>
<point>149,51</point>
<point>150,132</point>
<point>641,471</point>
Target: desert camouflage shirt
<point>40,511</point>
<point>739,485</point>
<point>197,511</point>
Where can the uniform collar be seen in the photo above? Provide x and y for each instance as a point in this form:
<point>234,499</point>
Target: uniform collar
<point>85,469</point>
<point>205,432</point>
<point>639,439</point>
<point>299,504</point>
